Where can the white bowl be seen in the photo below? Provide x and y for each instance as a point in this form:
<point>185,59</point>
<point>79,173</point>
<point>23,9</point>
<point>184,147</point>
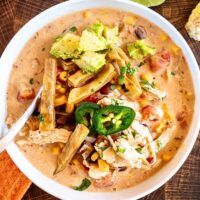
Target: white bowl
<point>47,184</point>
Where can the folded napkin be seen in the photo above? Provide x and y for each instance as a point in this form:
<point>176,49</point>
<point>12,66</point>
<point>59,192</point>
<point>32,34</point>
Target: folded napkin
<point>13,183</point>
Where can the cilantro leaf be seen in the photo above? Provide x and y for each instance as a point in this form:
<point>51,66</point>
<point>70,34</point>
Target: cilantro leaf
<point>84,185</point>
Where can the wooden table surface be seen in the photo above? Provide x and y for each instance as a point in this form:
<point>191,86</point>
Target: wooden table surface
<point>185,185</point>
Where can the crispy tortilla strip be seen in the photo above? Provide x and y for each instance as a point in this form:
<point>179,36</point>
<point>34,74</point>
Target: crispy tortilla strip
<point>78,94</point>
<point>31,124</point>
<point>133,88</point>
<point>133,85</point>
<point>79,78</point>
<point>47,98</point>
<point>47,137</point>
<point>72,146</point>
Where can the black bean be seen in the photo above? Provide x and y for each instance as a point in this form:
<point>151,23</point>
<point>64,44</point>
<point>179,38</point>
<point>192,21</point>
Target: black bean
<point>140,32</point>
<point>121,169</point>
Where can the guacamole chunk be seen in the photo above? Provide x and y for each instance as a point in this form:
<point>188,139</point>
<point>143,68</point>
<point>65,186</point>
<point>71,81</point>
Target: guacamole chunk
<point>140,49</point>
<point>65,46</point>
<point>90,62</point>
<point>96,28</point>
<point>111,35</point>
<point>90,41</point>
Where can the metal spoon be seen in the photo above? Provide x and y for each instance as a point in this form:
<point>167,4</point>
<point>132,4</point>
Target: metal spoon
<point>9,134</point>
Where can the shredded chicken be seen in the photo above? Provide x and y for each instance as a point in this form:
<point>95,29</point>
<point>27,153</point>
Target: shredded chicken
<point>46,137</point>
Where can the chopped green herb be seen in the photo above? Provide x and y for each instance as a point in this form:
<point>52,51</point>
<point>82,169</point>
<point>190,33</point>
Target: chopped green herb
<point>103,148</point>
<point>139,150</point>
<point>101,155</point>
<point>73,29</point>
<point>40,118</point>
<point>134,133</point>
<point>123,70</point>
<point>124,136</point>
<point>121,79</point>
<point>92,90</point>
<point>31,81</point>
<point>128,70</point>
<point>114,102</point>
<point>145,82</point>
<point>129,65</point>
<point>121,149</point>
<point>132,71</point>
<point>84,185</point>
<point>159,145</point>
<point>140,64</point>
<point>173,73</point>
<point>113,87</point>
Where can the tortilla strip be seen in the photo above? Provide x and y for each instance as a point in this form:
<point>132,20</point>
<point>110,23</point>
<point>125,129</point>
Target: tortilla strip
<point>79,78</point>
<point>47,137</point>
<point>47,99</point>
<point>76,95</point>
<point>72,146</point>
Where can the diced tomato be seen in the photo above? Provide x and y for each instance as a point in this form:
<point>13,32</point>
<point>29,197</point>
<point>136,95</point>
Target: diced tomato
<point>92,98</point>
<point>166,55</point>
<point>160,61</point>
<point>26,94</point>
<point>105,89</point>
<point>150,160</point>
<point>59,69</point>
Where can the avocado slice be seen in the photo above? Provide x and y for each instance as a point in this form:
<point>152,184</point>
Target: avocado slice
<point>90,41</point>
<point>66,46</point>
<point>111,35</point>
<point>140,50</point>
<point>90,62</point>
<point>97,28</point>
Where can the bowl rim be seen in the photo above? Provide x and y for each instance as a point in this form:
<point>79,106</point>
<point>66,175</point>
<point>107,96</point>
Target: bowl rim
<point>64,192</point>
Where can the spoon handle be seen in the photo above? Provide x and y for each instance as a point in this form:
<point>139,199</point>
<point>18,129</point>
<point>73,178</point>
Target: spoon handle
<point>9,135</point>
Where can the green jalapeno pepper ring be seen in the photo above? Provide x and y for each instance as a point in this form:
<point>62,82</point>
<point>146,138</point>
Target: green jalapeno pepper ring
<point>84,114</point>
<point>112,119</point>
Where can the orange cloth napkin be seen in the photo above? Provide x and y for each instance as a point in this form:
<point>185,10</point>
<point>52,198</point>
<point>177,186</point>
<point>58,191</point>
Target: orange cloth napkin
<point>13,183</point>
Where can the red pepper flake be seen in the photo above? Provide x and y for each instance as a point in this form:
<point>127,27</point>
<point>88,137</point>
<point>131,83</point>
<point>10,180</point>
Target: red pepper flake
<point>150,160</point>
<point>92,98</point>
<point>105,89</point>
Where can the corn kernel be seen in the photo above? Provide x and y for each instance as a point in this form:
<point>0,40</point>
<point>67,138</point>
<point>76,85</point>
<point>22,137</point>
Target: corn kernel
<point>163,37</point>
<point>103,166</point>
<point>166,157</point>
<point>60,100</point>
<point>144,103</point>
<point>63,76</point>
<point>69,108</point>
<point>62,90</point>
<point>129,20</point>
<point>58,86</point>
<point>55,150</point>
<point>147,77</point>
<point>87,14</point>
<point>175,49</point>
<point>94,156</point>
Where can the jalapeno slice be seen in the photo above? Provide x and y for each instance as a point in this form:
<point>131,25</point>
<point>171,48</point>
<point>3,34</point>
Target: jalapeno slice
<point>113,119</point>
<point>84,114</point>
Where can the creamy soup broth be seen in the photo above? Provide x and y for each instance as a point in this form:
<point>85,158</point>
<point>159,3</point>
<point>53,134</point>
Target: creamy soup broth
<point>30,65</point>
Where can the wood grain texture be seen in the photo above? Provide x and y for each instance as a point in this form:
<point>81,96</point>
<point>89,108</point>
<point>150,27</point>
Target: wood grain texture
<point>185,185</point>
